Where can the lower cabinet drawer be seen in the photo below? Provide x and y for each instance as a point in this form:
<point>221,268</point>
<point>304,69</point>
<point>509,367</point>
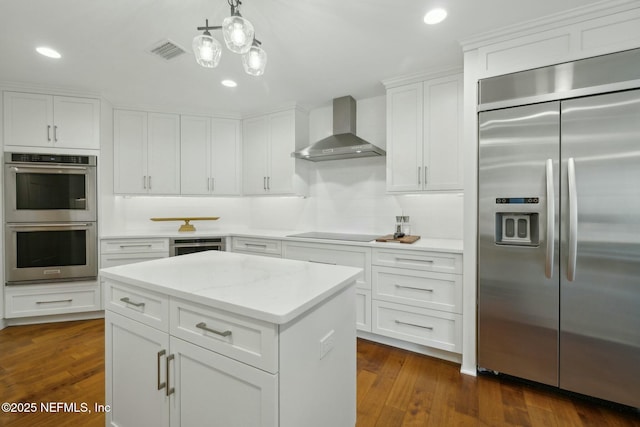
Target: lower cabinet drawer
<point>421,326</point>
<point>249,245</point>
<point>50,299</point>
<point>436,291</point>
<point>248,340</point>
<point>148,307</point>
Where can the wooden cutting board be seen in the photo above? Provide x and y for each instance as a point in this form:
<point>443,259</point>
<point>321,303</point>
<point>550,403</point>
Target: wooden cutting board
<point>405,239</point>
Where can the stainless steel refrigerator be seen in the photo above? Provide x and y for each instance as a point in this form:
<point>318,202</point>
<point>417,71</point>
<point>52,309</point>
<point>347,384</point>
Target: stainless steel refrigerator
<point>559,227</point>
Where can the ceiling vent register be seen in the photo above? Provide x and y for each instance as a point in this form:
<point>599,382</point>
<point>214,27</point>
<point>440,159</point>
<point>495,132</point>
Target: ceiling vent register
<point>167,50</point>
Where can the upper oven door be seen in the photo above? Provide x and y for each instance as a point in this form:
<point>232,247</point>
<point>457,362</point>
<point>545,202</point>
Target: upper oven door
<point>46,252</point>
<point>42,192</point>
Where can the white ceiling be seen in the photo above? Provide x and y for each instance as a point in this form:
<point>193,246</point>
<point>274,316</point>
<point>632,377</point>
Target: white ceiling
<point>318,49</point>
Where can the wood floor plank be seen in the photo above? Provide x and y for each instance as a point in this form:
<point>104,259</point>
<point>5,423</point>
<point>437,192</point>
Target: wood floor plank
<point>64,362</point>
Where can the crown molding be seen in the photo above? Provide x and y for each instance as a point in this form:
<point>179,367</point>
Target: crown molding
<point>550,22</point>
<point>421,76</point>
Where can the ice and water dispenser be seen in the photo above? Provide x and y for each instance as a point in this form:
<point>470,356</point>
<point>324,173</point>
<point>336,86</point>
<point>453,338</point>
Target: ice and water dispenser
<point>516,224</point>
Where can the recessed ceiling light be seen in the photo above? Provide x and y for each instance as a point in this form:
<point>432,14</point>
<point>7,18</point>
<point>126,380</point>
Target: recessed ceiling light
<point>229,83</point>
<point>435,16</point>
<point>48,52</point>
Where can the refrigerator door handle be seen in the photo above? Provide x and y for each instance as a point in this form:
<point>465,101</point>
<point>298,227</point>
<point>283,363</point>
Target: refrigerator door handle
<point>548,268</point>
<point>573,219</point>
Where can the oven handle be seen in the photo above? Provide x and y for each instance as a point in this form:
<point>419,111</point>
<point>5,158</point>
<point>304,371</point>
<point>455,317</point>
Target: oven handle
<point>39,168</point>
<point>49,225</point>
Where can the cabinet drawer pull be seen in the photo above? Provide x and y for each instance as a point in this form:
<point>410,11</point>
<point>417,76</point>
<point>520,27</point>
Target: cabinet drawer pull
<point>138,245</point>
<point>163,384</point>
<point>55,301</point>
<point>414,288</point>
<point>257,245</point>
<point>399,322</point>
<point>170,390</point>
<point>427,261</point>
<point>322,262</point>
<point>204,327</point>
<point>126,300</point>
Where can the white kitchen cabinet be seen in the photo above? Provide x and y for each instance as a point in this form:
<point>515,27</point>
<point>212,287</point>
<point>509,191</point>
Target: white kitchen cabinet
<point>135,368</point>
<point>146,152</point>
<point>120,251</point>
<point>210,153</point>
<point>38,120</point>
<point>417,297</point>
<point>173,362</point>
<point>257,246</point>
<point>268,141</point>
<point>351,256</point>
<point>48,299</point>
<point>424,135</point>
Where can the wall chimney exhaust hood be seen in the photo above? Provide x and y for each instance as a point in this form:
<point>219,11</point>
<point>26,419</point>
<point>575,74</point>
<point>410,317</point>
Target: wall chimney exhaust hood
<point>343,144</point>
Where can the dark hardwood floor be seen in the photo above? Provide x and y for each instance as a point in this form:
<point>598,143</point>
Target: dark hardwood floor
<point>64,362</point>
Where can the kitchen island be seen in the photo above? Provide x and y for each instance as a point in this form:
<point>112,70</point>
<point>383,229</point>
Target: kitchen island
<point>218,338</point>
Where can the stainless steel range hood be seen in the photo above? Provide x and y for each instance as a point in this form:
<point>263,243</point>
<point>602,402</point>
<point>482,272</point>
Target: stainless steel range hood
<point>343,144</point>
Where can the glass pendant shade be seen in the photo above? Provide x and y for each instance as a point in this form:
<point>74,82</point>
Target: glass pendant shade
<point>207,50</point>
<point>238,34</point>
<point>254,61</point>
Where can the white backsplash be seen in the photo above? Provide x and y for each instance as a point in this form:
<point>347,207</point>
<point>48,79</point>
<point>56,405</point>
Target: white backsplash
<point>344,196</point>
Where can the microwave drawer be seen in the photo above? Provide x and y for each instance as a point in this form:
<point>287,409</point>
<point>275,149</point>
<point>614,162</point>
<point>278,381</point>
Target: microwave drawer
<point>145,306</point>
<point>247,340</point>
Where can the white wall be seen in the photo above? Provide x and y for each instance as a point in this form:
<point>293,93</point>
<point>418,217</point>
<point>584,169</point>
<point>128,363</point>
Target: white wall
<point>344,195</point>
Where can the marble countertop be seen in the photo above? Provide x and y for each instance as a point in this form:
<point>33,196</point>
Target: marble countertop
<point>270,289</point>
<point>436,245</point>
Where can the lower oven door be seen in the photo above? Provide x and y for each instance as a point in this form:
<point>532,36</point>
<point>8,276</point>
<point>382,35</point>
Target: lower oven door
<point>49,252</point>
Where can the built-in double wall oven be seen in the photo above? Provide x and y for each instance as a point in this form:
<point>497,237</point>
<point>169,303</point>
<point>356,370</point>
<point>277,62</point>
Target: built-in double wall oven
<point>50,218</point>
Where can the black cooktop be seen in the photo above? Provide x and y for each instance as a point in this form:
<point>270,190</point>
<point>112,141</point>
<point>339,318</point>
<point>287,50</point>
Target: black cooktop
<point>337,236</point>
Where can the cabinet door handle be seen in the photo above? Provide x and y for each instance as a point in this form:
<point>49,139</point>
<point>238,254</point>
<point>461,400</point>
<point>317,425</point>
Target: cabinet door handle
<point>126,300</point>
<point>268,183</point>
<point>55,301</point>
<point>399,322</point>
<point>149,182</point>
<point>48,132</point>
<point>419,174</point>
<point>170,390</point>
<point>213,184</point>
<point>144,182</point>
<point>425,175</point>
<point>414,288</point>
<point>55,133</point>
<point>161,385</point>
<point>322,262</point>
<point>204,327</point>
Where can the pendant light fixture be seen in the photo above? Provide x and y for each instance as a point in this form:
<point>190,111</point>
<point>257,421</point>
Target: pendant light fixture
<point>239,37</point>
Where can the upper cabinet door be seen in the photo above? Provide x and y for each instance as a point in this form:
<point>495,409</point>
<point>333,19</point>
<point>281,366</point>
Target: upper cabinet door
<point>163,154</point>
<point>36,120</point>
<point>195,155</point>
<point>130,152</point>
<point>226,157</point>
<point>404,138</point>
<point>254,155</point>
<point>76,122</point>
<point>443,134</point>
<point>28,119</point>
<point>424,136</point>
<point>281,166</point>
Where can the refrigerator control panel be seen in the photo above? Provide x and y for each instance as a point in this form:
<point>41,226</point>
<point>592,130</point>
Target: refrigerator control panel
<point>517,200</point>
